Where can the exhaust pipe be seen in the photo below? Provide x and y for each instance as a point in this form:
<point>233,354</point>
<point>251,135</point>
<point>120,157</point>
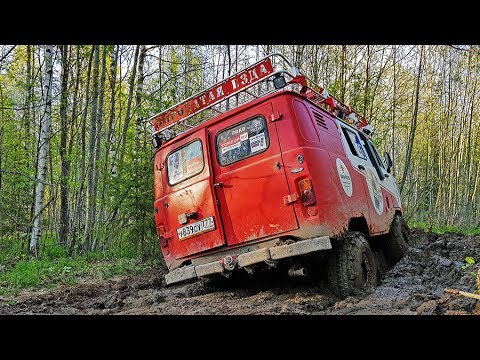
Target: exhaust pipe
<point>297,272</point>
<point>250,269</point>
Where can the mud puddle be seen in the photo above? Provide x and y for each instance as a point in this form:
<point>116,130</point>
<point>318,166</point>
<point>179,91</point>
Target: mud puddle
<point>415,285</point>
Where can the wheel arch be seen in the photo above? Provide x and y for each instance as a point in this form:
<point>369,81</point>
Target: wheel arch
<point>359,224</point>
<point>398,212</point>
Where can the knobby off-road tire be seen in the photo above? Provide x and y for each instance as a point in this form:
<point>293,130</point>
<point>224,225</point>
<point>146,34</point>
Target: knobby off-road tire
<point>397,241</point>
<point>351,265</point>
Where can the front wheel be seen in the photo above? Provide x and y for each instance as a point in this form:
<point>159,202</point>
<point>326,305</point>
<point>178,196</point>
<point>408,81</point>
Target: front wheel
<point>351,265</point>
<point>396,242</point>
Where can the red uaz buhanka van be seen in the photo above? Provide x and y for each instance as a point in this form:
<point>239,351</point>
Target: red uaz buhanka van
<point>266,167</point>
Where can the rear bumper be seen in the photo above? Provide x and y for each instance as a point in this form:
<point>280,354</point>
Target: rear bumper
<point>231,262</point>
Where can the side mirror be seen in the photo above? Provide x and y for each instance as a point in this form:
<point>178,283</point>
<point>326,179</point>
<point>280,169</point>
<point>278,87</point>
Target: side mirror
<point>279,81</point>
<point>388,161</point>
<point>157,141</point>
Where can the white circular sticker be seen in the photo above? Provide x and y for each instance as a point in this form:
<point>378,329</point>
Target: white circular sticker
<point>375,191</point>
<point>345,178</point>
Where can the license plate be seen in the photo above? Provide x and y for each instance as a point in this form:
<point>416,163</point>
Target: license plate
<point>196,228</point>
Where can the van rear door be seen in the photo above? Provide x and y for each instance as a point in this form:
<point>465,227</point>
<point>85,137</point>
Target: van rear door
<point>189,207</point>
<point>249,176</point>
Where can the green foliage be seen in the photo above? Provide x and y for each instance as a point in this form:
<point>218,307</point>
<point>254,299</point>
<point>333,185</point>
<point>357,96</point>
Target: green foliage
<point>334,88</point>
<point>54,252</point>
<point>469,261</point>
<point>10,249</point>
<point>33,273</point>
<point>18,271</point>
<point>53,271</point>
<point>443,229</point>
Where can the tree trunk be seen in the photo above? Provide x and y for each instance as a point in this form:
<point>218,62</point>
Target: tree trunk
<point>469,157</point>
<point>80,194</point>
<point>140,214</point>
<point>227,103</point>
<point>129,103</point>
<point>394,105</point>
<point>42,154</point>
<point>186,76</point>
<point>109,140</point>
<point>28,100</point>
<point>99,136</point>
<point>139,92</point>
<point>1,148</point>
<point>367,81</point>
<point>65,161</point>
<point>413,124</point>
<point>91,154</point>
<point>342,72</point>
<point>32,156</point>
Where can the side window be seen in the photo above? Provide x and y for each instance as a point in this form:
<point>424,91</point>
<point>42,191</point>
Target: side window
<point>242,141</point>
<point>354,143</point>
<point>379,159</point>
<point>373,156</point>
<point>185,162</point>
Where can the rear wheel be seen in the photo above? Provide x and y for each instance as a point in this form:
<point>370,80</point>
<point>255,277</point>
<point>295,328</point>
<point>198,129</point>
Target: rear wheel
<point>396,242</point>
<point>351,265</point>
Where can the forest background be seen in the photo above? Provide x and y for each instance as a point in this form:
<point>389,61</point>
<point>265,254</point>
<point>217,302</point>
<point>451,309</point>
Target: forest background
<point>71,121</point>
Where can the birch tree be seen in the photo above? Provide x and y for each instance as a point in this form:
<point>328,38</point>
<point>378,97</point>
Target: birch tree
<point>91,153</point>
<point>43,152</point>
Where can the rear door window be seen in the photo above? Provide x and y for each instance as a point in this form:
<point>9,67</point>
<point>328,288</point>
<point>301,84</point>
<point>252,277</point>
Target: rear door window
<point>242,141</point>
<point>354,143</point>
<point>185,162</point>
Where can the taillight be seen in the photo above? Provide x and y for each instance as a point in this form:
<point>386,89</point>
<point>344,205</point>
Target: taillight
<point>160,230</point>
<point>306,192</point>
<point>162,241</point>
<point>161,236</point>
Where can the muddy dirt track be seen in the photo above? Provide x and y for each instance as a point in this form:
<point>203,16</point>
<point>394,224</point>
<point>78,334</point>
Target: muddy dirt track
<point>414,286</point>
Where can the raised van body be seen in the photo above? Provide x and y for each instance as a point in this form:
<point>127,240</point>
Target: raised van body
<point>286,174</point>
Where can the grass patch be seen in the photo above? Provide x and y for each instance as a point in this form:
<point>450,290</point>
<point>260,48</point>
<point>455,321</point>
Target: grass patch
<point>443,229</point>
<point>55,267</point>
<point>38,273</point>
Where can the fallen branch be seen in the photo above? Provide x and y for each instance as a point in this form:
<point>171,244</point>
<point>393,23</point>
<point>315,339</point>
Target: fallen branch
<point>478,281</point>
<point>462,293</point>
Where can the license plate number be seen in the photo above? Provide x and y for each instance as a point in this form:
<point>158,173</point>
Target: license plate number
<point>196,228</point>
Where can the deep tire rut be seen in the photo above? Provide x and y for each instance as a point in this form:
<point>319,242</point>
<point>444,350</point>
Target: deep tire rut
<point>413,286</point>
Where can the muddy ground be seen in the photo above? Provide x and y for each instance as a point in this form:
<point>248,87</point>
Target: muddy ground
<point>415,285</point>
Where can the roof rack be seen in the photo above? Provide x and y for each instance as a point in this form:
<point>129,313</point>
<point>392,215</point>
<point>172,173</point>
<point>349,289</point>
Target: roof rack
<point>255,81</point>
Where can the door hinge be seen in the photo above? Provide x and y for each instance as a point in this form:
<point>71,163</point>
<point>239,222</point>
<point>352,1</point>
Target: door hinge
<point>290,198</point>
<point>276,115</point>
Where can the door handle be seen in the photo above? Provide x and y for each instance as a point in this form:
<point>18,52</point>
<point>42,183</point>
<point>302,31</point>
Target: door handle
<point>222,185</point>
<point>361,167</point>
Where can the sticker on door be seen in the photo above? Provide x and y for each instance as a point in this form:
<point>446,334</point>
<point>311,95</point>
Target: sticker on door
<point>257,142</point>
<point>345,178</point>
<point>375,191</point>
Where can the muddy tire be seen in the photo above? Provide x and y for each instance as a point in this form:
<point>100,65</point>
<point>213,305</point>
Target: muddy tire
<point>351,265</point>
<point>396,242</point>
